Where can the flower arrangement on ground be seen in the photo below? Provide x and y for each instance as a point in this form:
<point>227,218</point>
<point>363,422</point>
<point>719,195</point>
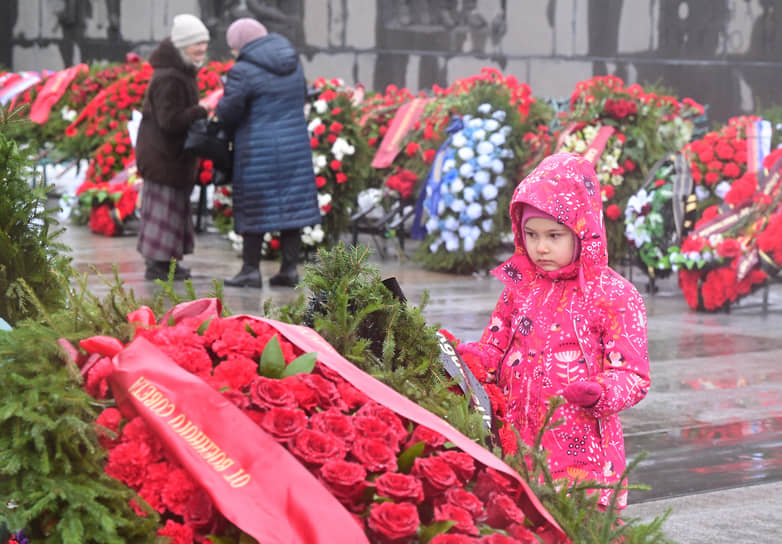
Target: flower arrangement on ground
<point>649,123</point>
<point>487,145</point>
<point>340,156</point>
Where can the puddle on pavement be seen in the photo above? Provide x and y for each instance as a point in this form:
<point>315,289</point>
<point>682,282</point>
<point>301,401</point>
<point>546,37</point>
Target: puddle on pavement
<point>708,345</point>
<point>705,458</point>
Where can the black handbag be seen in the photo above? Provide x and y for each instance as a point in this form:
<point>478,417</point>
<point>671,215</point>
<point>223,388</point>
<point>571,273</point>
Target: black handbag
<point>207,139</point>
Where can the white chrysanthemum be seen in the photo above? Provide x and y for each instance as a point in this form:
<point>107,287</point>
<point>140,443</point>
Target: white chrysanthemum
<point>482,176</point>
<point>485,108</point>
<point>440,207</point>
<point>470,194</point>
<point>499,115</point>
<point>458,205</point>
<point>722,189</point>
<point>448,165</point>
<point>68,114</point>
<point>434,246</point>
<point>701,192</point>
<point>321,106</point>
<point>466,170</point>
<point>506,130</point>
<point>497,139</point>
<point>451,241</point>
<point>317,234</point>
<point>497,166</point>
<point>465,153</point>
<point>637,233</point>
<point>459,140</point>
<point>450,223</point>
<point>475,123</point>
<point>368,199</point>
<point>342,147</point>
<point>469,244</point>
<point>324,200</point>
<point>489,192</point>
<point>479,134</point>
<point>490,207</point>
<point>500,181</point>
<point>457,185</point>
<point>315,123</point>
<point>486,225</point>
<point>474,211</point>
<point>484,161</point>
<point>491,125</point>
<point>590,131</point>
<point>432,225</point>
<point>579,146</point>
<point>485,148</point>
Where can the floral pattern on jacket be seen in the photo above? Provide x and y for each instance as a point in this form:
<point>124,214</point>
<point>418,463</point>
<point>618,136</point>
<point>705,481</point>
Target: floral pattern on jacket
<point>581,322</point>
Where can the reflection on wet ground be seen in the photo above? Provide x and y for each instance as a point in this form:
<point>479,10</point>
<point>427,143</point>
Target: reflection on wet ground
<point>713,417</point>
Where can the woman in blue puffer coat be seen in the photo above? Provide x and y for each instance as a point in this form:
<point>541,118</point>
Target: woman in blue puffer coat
<point>273,179</point>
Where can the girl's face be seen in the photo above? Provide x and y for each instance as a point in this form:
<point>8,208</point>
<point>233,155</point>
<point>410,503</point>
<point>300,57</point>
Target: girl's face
<point>550,245</point>
<point>196,52</point>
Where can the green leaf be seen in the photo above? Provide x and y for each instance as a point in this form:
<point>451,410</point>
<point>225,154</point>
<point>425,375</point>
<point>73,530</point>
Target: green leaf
<point>303,364</point>
<point>202,329</point>
<point>272,360</point>
<point>428,532</point>
<point>408,457</point>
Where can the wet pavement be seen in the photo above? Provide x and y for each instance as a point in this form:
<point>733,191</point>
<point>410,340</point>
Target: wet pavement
<point>711,425</point>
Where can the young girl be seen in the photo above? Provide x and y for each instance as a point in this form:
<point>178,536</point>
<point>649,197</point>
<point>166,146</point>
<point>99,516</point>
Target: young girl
<point>566,324</point>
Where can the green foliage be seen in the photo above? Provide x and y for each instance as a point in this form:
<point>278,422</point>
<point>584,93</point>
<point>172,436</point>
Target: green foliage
<point>384,336</point>
<point>51,464</point>
<point>574,504</point>
<point>29,259</point>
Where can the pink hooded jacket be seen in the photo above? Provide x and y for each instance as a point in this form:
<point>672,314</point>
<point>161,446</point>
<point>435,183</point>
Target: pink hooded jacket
<point>581,322</point>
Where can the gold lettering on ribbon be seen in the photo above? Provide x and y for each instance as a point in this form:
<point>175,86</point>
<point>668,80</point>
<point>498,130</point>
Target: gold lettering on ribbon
<point>161,406</point>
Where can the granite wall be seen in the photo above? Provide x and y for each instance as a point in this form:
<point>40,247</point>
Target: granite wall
<point>724,53</point>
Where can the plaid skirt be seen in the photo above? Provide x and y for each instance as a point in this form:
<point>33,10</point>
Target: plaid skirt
<point>166,223</point>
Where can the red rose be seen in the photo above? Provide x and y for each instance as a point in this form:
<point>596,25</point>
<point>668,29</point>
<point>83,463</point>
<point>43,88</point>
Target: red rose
<point>335,165</point>
<point>353,397</point>
<point>628,165</point>
<point>491,481</point>
<point>201,515</point>
<point>320,129</point>
<point>392,522</point>
<point>464,499</point>
<point>431,439</point>
<point>373,427</point>
<point>456,538</point>
<point>314,142</point>
<point>613,212</point>
<point>498,538</point>
<point>267,393</point>
<point>336,127</point>
<point>463,519</point>
<point>331,138</point>
<point>436,475</point>
<point>461,463</point>
<point>522,534</point>
<point>345,480</point>
<point>411,149</point>
<point>400,487</point>
<point>284,423</point>
<point>336,424</point>
<point>608,191</point>
<point>320,181</point>
<point>341,178</point>
<point>237,398</point>
<point>314,448</point>
<point>386,415</point>
<point>375,454</point>
<point>501,511</point>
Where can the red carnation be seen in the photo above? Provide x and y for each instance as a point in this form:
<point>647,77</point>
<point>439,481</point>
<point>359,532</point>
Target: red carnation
<point>320,129</point>
<point>613,212</point>
<point>128,463</point>
<point>320,182</point>
<point>341,178</point>
<point>336,127</point>
<point>411,149</point>
<point>176,533</point>
<point>314,142</point>
<point>608,191</point>
<point>335,165</point>
<point>237,370</point>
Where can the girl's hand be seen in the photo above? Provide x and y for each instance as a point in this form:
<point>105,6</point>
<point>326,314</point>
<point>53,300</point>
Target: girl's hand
<point>584,393</point>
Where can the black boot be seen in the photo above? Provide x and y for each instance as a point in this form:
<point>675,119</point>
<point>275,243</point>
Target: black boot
<point>287,276</point>
<point>158,270</point>
<point>250,274</point>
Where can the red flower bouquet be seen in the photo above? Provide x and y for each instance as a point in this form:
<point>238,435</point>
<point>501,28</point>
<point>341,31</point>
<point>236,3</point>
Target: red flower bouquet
<point>227,426</point>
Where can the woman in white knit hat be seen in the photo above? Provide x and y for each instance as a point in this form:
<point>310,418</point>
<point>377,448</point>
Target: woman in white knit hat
<point>171,104</point>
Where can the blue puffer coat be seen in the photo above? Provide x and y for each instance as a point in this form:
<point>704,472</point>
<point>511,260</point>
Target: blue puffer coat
<point>263,105</point>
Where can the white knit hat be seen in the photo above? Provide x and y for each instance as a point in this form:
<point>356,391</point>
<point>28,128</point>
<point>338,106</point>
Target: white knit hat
<point>188,29</point>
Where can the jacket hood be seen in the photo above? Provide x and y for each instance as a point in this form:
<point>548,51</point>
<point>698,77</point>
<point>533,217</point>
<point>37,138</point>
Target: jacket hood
<point>272,52</point>
<point>565,186</point>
